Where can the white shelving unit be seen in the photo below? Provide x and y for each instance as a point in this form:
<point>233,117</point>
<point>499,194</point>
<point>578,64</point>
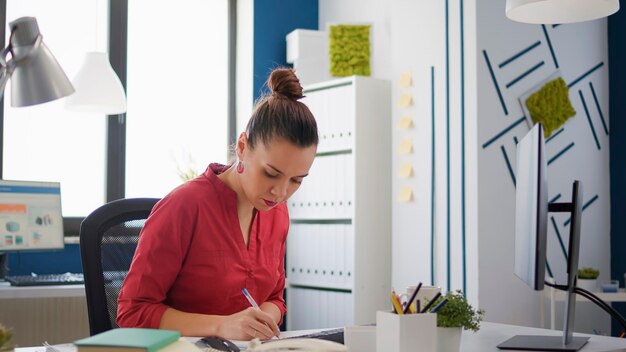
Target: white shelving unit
<point>339,244</point>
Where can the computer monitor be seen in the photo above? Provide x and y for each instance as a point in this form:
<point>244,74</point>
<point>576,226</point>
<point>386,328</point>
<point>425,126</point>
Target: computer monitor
<point>531,232</point>
<point>30,217</point>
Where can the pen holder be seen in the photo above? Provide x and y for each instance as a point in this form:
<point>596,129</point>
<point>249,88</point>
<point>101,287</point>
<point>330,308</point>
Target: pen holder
<point>406,333</point>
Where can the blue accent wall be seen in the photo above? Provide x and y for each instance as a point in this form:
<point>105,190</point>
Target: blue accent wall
<point>617,114</point>
<point>273,20</point>
<point>46,262</point>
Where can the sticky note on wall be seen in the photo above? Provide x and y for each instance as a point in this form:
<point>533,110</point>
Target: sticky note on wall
<point>406,100</point>
<point>406,146</point>
<point>406,170</point>
<point>405,80</point>
<point>406,194</point>
<point>405,122</point>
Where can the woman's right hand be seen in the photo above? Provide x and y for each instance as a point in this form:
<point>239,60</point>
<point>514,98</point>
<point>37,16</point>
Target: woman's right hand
<point>248,324</point>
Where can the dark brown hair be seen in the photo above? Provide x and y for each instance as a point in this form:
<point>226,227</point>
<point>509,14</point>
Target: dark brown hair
<point>279,114</point>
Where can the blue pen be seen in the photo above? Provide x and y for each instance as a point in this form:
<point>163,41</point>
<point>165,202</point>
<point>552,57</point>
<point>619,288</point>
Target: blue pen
<point>249,297</point>
<point>441,304</point>
<point>252,301</point>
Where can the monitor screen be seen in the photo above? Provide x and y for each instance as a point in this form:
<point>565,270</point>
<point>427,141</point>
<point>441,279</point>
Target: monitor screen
<point>30,216</point>
<point>531,209</point>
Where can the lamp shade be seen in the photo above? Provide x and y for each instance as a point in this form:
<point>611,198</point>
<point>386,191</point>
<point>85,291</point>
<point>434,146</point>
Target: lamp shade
<point>98,89</point>
<point>559,11</point>
<point>37,77</point>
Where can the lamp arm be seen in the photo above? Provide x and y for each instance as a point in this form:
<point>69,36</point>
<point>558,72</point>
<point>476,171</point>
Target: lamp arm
<point>6,69</point>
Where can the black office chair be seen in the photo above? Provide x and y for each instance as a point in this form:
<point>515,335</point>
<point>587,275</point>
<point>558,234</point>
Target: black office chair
<point>108,239</point>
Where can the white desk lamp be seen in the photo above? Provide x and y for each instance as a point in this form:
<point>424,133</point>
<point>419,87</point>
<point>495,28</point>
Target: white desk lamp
<point>559,11</point>
<point>36,76</point>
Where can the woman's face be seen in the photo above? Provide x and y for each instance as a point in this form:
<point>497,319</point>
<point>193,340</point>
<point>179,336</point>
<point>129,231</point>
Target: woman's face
<point>273,172</point>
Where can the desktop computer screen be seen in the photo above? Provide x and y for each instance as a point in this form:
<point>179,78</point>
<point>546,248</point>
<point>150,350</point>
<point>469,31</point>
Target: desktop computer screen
<point>30,216</point>
<point>531,232</point>
<point>531,209</point>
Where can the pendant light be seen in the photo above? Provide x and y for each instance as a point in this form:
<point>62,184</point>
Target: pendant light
<point>559,11</point>
<point>98,88</point>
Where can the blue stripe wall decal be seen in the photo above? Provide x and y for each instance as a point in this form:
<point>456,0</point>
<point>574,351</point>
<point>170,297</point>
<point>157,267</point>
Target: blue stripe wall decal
<point>432,177</point>
<point>558,155</point>
<point>495,82</point>
<point>585,206</point>
<point>595,99</point>
<point>593,130</point>
<point>463,149</point>
<point>448,147</point>
<point>558,236</point>
<point>545,32</point>
<point>508,164</point>
<point>557,197</point>
<point>548,267</point>
<point>519,78</point>
<point>555,25</point>
<point>585,74</point>
<point>503,132</point>
<point>512,58</point>
<point>554,135</point>
<point>515,140</point>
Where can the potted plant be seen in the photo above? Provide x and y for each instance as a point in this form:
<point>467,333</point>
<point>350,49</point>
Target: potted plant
<point>587,278</point>
<point>6,339</point>
<point>455,315</point>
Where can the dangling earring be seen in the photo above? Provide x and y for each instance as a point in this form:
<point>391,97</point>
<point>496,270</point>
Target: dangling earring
<point>239,167</point>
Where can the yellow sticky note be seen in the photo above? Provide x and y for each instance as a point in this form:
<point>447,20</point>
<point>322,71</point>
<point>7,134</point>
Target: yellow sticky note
<point>405,101</point>
<point>405,80</point>
<point>405,122</point>
<point>406,170</point>
<point>406,146</point>
<point>406,194</point>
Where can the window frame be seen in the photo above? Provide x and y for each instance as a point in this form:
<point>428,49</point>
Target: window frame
<point>116,124</point>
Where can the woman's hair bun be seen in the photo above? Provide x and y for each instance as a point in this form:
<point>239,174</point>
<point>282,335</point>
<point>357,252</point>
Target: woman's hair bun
<point>283,81</point>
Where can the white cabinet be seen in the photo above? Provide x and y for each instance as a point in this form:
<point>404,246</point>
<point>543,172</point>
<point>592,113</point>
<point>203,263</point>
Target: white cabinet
<point>339,245</point>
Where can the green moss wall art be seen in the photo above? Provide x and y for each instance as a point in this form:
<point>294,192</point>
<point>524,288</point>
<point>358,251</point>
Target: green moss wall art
<point>349,50</point>
<point>550,105</point>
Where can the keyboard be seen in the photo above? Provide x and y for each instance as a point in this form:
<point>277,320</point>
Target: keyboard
<point>46,279</point>
<point>335,335</point>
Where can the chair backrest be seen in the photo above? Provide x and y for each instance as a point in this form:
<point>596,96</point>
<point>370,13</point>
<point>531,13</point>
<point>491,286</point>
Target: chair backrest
<point>108,239</point>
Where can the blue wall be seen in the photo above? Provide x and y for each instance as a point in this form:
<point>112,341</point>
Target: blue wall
<point>46,262</point>
<point>617,113</point>
<point>273,20</point>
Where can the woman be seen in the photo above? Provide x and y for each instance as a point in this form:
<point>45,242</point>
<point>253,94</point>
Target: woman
<point>225,231</point>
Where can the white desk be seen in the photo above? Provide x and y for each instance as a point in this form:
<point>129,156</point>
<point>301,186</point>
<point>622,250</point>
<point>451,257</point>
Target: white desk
<point>35,313</point>
<point>486,340</point>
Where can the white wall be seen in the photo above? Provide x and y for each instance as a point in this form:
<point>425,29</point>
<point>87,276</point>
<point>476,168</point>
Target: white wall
<point>410,36</point>
<point>577,49</point>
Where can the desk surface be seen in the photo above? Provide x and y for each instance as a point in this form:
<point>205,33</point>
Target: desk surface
<point>489,336</point>
<point>8,291</point>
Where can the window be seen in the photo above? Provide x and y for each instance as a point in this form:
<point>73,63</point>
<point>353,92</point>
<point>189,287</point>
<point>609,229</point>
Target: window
<point>46,142</point>
<point>178,83</point>
<point>177,92</point>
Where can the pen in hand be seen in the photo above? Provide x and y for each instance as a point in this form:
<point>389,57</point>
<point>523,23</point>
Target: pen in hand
<point>253,303</point>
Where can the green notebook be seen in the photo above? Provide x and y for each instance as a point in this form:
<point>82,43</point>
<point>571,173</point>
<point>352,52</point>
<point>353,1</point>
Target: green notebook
<point>128,339</point>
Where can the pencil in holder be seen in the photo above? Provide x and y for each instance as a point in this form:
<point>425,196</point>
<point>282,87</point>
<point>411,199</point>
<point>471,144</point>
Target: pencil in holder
<point>406,332</point>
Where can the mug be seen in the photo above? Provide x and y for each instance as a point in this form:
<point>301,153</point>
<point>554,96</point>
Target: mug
<point>425,294</point>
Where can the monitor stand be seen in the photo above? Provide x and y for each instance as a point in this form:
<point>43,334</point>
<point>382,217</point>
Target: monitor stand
<point>567,342</point>
<point>542,343</point>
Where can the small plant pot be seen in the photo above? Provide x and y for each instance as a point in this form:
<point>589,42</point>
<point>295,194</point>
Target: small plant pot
<point>588,284</point>
<point>449,339</point>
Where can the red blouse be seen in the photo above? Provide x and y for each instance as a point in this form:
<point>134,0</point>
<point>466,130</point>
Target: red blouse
<point>191,256</point>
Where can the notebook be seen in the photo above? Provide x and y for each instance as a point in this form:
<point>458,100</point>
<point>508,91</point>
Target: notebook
<point>134,340</point>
